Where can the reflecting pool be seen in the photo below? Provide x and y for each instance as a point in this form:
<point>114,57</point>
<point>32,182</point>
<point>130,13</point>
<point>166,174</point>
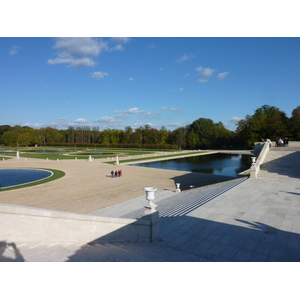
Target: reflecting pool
<point>216,164</point>
<point>11,177</point>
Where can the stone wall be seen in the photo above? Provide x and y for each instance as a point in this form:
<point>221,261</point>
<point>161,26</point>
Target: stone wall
<point>23,224</point>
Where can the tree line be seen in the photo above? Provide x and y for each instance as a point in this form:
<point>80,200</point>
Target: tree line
<point>267,122</point>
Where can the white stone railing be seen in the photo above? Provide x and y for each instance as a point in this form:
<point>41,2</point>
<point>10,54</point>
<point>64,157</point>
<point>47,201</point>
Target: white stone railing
<point>255,167</point>
<point>24,224</point>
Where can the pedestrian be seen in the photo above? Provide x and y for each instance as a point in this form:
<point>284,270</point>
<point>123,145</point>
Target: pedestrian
<point>286,142</point>
<point>116,174</point>
<point>280,142</point>
<point>277,142</point>
<point>112,174</point>
<point>121,173</point>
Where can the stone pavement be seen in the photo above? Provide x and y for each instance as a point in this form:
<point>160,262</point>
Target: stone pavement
<point>251,220</point>
<point>243,220</point>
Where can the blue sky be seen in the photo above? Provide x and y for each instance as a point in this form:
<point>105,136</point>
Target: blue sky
<point>119,82</point>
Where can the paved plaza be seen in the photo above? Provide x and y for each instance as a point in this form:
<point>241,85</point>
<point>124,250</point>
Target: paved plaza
<point>241,220</point>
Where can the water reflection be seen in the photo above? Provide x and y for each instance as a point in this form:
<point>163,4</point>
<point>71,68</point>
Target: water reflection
<point>11,177</point>
<point>216,164</point>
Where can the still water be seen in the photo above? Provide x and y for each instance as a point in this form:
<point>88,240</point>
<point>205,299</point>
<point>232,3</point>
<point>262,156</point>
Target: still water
<point>11,177</point>
<point>216,164</point>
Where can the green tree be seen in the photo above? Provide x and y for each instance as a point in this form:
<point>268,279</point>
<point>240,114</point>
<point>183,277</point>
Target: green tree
<point>192,139</point>
<point>127,135</point>
<point>178,137</point>
<point>266,122</point>
<point>10,138</point>
<point>294,124</point>
<point>205,130</point>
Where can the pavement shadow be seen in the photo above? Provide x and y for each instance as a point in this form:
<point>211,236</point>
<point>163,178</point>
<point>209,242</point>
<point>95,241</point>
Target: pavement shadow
<point>287,165</point>
<point>196,180</point>
<point>10,253</point>
<point>220,242</point>
<point>190,239</point>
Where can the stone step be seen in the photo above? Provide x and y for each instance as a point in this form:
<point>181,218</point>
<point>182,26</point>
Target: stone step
<point>283,163</point>
<point>108,252</point>
<point>49,253</point>
<point>163,252</point>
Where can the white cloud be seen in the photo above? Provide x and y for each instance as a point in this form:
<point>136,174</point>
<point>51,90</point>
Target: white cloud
<point>184,58</point>
<point>82,62</point>
<point>80,121</point>
<point>138,124</point>
<point>131,79</point>
<point>175,109</point>
<point>174,124</point>
<point>99,75</point>
<point>80,47</point>
<point>116,48</point>
<point>121,116</point>
<point>34,125</point>
<point>78,51</point>
<point>108,122</point>
<point>134,110</point>
<point>122,40</point>
<point>119,41</point>
<point>164,108</point>
<point>205,72</point>
<point>14,50</point>
<point>202,80</point>
<point>235,120</point>
<point>179,90</point>
<point>222,75</point>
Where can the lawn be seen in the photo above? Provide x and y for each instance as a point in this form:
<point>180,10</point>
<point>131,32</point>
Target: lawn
<point>64,153</point>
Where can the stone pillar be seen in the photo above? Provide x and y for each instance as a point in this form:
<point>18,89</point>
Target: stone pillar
<point>151,214</point>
